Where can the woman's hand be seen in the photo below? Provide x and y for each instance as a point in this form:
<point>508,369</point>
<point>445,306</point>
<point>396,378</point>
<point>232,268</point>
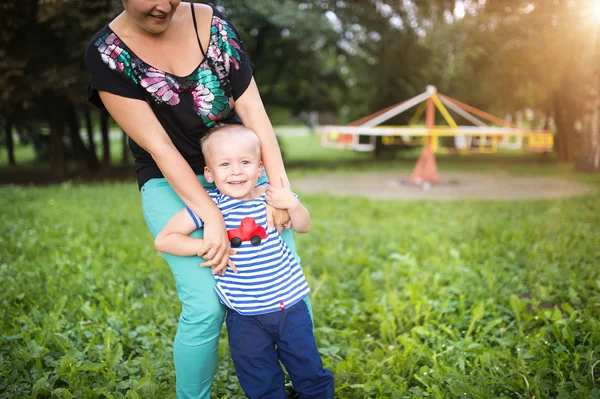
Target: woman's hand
<point>281,197</point>
<point>221,270</point>
<point>215,248</point>
<point>277,218</point>
<point>279,200</point>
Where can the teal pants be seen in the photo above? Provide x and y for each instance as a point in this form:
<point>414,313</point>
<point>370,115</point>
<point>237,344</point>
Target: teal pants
<point>197,340</point>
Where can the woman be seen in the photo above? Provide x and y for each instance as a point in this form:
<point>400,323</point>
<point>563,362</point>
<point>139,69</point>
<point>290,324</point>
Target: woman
<point>167,71</point>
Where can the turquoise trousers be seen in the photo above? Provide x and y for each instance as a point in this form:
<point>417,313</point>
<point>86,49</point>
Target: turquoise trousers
<point>197,340</point>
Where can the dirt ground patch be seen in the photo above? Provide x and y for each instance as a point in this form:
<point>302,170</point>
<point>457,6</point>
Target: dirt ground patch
<point>454,185</point>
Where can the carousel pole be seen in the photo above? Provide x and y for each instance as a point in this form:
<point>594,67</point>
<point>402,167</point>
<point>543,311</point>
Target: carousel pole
<point>425,171</point>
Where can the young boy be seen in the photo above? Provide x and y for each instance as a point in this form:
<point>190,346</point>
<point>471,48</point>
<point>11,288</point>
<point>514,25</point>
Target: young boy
<point>267,319</point>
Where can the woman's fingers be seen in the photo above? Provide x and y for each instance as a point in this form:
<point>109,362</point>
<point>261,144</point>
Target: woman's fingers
<point>220,261</point>
<point>281,218</point>
<point>210,253</point>
<point>270,222</point>
<point>202,250</point>
<point>219,258</point>
<point>232,266</point>
<point>219,269</point>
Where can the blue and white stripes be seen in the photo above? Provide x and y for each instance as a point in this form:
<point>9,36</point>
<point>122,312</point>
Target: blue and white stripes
<point>269,278</point>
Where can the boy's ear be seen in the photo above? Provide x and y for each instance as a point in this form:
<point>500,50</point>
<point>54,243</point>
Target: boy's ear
<point>260,168</point>
<point>208,175</point>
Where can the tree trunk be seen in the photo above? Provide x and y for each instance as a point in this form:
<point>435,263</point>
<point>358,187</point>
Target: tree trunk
<point>589,150</point>
<point>22,134</point>
<point>58,165</point>
<point>565,128</point>
<point>549,117</point>
<point>105,141</point>
<point>125,149</point>
<point>90,130</point>
<point>77,146</point>
<point>10,145</point>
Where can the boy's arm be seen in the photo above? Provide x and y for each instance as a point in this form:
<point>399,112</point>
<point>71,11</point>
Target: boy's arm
<point>283,198</point>
<point>300,217</point>
<point>174,237</point>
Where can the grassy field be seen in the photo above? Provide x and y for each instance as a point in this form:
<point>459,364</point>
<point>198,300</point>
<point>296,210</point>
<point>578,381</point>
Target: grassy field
<point>467,299</point>
<point>304,154</point>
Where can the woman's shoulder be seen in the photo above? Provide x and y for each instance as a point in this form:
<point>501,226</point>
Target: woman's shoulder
<point>101,47</point>
<point>220,21</point>
<point>211,20</point>
<point>95,41</point>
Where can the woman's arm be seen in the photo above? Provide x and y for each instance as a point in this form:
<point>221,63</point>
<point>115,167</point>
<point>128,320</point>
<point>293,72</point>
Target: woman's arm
<point>251,111</point>
<point>137,119</point>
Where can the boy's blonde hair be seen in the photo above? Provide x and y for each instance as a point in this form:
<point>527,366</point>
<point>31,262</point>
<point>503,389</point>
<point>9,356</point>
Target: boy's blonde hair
<point>225,128</point>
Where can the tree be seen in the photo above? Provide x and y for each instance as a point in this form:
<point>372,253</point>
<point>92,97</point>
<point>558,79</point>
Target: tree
<point>293,48</point>
<point>533,55</point>
<point>45,74</point>
<point>589,152</point>
<point>10,147</point>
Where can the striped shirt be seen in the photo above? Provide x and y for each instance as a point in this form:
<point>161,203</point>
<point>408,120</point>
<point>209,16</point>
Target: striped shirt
<point>269,277</point>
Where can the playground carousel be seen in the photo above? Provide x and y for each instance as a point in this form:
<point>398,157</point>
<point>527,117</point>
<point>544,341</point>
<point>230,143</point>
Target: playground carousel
<point>487,133</point>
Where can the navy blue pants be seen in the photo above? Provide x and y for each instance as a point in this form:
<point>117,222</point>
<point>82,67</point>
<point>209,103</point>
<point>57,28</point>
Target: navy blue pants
<point>259,342</point>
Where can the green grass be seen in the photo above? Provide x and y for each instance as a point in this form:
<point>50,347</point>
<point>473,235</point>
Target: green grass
<point>24,156</point>
<point>467,299</point>
<point>301,150</point>
<point>305,155</point>
<point>457,299</point>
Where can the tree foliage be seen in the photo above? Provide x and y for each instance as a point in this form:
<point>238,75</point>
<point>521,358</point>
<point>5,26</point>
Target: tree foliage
<point>345,58</point>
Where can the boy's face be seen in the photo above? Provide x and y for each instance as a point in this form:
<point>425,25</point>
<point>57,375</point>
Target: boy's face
<point>233,164</point>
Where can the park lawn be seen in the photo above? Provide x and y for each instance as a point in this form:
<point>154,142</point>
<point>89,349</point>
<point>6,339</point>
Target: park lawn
<point>304,152</point>
<point>475,299</point>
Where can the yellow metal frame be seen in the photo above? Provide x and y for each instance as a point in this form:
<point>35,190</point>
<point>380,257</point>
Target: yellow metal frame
<point>536,141</point>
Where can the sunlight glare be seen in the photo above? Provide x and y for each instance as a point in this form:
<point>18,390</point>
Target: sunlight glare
<point>596,10</point>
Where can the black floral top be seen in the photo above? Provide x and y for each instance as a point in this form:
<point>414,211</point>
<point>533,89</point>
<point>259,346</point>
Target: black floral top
<point>186,106</point>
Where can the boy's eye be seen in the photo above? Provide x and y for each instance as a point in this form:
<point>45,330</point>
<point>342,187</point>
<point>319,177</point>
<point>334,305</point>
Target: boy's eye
<point>224,164</point>
<point>245,162</point>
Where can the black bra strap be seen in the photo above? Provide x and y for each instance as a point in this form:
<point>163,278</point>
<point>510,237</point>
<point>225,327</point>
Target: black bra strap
<point>196,28</point>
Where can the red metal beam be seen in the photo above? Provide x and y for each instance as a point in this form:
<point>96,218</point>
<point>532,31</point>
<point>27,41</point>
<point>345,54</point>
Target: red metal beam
<point>479,112</point>
<point>367,118</point>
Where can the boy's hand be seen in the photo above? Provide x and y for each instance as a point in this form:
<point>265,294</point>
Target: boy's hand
<point>281,198</point>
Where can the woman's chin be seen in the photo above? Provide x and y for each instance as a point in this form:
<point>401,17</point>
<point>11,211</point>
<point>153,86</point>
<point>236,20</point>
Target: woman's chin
<point>156,26</point>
